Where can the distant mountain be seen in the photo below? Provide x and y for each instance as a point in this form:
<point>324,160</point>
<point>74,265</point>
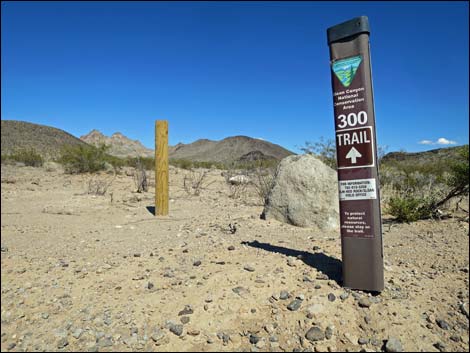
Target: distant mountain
<point>119,145</point>
<point>229,149</point>
<point>46,140</point>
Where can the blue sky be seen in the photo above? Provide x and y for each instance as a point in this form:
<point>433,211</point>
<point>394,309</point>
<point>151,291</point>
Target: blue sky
<point>218,69</point>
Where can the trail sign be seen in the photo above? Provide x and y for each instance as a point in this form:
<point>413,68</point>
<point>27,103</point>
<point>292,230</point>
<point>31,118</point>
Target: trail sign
<point>356,153</point>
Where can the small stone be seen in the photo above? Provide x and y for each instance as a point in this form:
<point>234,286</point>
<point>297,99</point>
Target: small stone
<point>455,338</point>
<point>294,305</point>
<point>439,346</point>
<point>464,309</point>
<point>77,333</point>
<point>329,331</point>
<point>269,328</point>
<point>254,339</point>
<point>45,316</point>
<point>344,296</point>
<point>184,320</point>
<point>291,262</point>
<point>150,286</point>
<point>176,329</point>
<point>224,337</point>
<point>331,297</point>
<point>249,268</point>
<point>63,342</point>
<point>273,338</point>
<point>314,334</point>
<point>362,340</point>
<point>393,345</point>
<point>284,295</point>
<point>157,335</point>
<point>315,248</point>
<point>137,254</point>
<point>375,342</point>
<point>231,248</point>
<point>442,324</point>
<point>188,310</point>
<point>197,263</point>
<point>194,332</point>
<point>12,344</point>
<point>365,302</point>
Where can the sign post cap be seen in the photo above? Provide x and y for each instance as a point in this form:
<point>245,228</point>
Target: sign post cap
<point>348,29</point>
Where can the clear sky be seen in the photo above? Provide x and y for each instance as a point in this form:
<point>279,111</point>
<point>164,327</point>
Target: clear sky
<point>218,69</point>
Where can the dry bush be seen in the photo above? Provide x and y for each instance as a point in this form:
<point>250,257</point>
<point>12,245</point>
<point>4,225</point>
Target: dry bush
<point>195,181</point>
<point>140,177</point>
<point>263,182</point>
<point>99,186</point>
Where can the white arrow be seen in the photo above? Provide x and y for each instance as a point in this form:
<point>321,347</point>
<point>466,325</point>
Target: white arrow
<point>353,154</point>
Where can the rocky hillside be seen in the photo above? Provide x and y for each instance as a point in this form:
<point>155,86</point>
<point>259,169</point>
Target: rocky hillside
<point>229,149</point>
<point>46,140</point>
<point>430,156</point>
<point>120,145</point>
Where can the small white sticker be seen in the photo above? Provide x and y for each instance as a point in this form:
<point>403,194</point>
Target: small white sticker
<point>357,189</point>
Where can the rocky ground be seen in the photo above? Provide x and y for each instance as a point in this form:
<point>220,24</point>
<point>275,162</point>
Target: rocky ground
<point>102,273</point>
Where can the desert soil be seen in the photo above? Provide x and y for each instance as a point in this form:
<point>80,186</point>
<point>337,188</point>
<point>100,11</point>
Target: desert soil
<point>87,272</point>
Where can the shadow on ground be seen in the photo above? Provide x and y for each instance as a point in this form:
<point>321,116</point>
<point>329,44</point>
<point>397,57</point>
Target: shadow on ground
<point>328,265</point>
<point>151,209</point>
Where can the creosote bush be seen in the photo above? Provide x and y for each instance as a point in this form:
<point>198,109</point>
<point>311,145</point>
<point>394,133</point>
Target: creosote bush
<point>84,159</point>
<point>28,156</point>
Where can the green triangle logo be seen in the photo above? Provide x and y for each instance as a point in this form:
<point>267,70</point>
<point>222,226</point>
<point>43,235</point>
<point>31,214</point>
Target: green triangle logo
<point>345,69</point>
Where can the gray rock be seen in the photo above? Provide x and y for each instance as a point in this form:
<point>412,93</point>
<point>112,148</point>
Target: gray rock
<point>344,296</point>
<point>197,263</point>
<point>249,268</point>
<point>150,286</point>
<point>393,345</point>
<point>440,346</point>
<point>329,332</point>
<point>184,319</point>
<point>331,297</point>
<point>176,329</point>
<point>45,316</point>
<point>254,339</point>
<point>188,310</point>
<point>365,302</point>
<point>305,193</point>
<point>157,335</point>
<point>231,248</point>
<point>294,305</point>
<point>464,309</point>
<point>77,333</point>
<point>314,334</point>
<point>284,295</point>
<point>61,343</point>
<point>442,324</point>
<point>224,337</point>
<point>363,340</point>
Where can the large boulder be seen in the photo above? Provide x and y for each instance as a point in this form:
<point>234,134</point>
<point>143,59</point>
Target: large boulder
<point>304,194</point>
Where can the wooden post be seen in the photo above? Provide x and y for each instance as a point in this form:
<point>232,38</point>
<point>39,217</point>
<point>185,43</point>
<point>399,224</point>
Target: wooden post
<point>161,168</point>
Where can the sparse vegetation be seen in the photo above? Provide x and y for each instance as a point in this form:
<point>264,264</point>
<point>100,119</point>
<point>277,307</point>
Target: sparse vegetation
<point>28,156</point>
<point>195,181</point>
<point>84,159</point>
<point>140,176</point>
<point>99,187</point>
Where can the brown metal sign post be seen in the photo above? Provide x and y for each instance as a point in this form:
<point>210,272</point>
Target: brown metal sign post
<point>356,152</point>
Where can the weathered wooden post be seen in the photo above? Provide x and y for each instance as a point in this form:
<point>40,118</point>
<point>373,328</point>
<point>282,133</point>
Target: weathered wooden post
<point>161,168</point>
<point>356,152</point>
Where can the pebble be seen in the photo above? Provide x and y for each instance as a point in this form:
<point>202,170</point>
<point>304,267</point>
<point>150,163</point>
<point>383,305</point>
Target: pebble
<point>184,320</point>
<point>231,248</point>
<point>393,345</point>
<point>314,334</point>
<point>45,316</point>
<point>224,337</point>
<point>261,344</point>
<point>284,295</point>
<point>464,309</point>
<point>62,343</point>
<point>294,305</point>
<point>137,254</point>
<point>77,333</point>
<point>365,302</point>
<point>344,296</point>
<point>176,329</point>
<point>439,346</point>
<point>197,263</point>
<point>442,324</point>
<point>362,340</point>
<point>331,297</point>
<point>291,262</point>
<point>249,268</point>
<point>150,285</point>
<point>188,310</point>
<point>157,335</point>
<point>254,339</point>
<point>330,330</point>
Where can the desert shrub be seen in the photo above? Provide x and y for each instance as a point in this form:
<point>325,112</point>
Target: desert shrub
<point>147,163</point>
<point>325,150</point>
<point>181,163</point>
<point>140,176</point>
<point>83,159</point>
<point>409,208</point>
<point>195,181</point>
<point>263,182</point>
<point>99,186</point>
<point>28,156</point>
